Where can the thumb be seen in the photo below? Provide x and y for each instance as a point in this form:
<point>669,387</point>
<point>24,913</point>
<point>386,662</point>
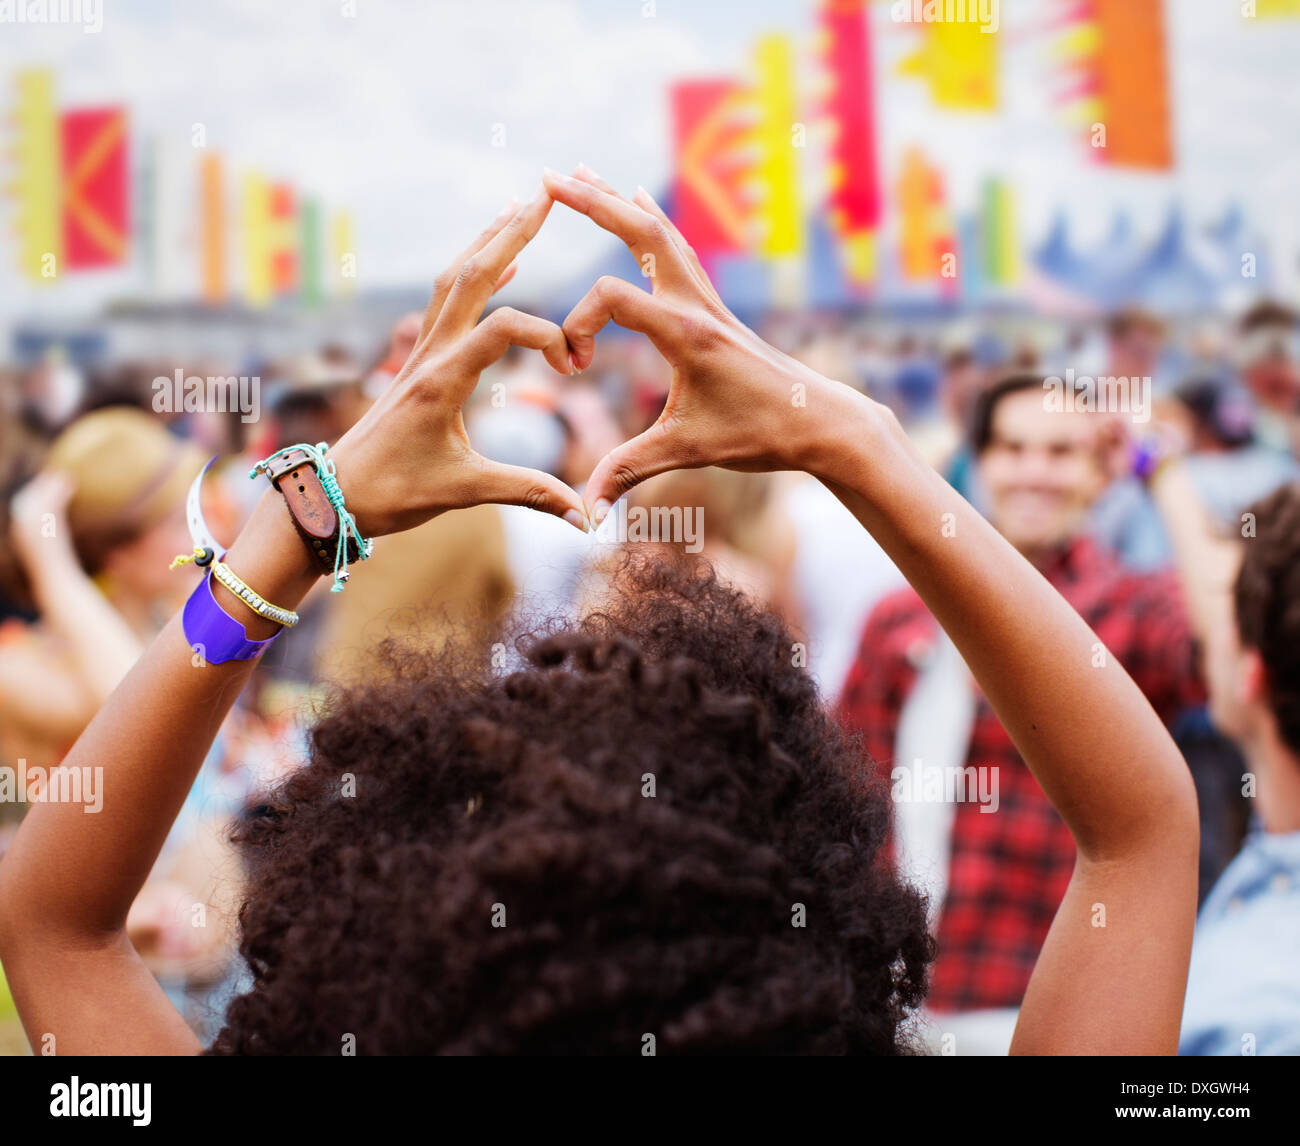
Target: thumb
<point>517,485</point>
<point>624,467</point>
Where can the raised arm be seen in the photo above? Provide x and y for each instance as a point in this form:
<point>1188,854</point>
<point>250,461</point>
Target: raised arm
<point>100,644</point>
<point>1207,564</point>
<point>69,877</point>
<point>1111,975</point>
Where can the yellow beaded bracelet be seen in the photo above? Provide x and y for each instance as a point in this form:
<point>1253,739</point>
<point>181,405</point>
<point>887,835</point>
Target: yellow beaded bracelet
<point>252,599</point>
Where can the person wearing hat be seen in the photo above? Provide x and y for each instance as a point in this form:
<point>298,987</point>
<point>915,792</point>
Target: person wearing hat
<point>94,533</point>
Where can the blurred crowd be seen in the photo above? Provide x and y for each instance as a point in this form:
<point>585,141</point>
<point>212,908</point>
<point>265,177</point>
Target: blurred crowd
<point>93,483</point>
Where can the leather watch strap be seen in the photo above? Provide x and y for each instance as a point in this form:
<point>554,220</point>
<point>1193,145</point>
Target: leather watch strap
<point>294,475</point>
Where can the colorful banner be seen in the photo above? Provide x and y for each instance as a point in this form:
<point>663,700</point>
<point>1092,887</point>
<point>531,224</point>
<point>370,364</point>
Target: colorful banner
<point>75,208</point>
<point>256,246</point>
<point>958,60</point>
<point>779,214</point>
<point>1117,88</point>
<point>708,194</point>
<point>998,238</point>
<point>1135,83</point>
<point>926,228</point>
<point>212,231</point>
<point>855,196</point>
<point>283,250</point>
<point>96,188</point>
<point>1271,9</point>
<point>37,152</point>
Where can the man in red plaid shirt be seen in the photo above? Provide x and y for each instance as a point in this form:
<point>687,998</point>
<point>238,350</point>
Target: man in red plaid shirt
<point>1040,470</point>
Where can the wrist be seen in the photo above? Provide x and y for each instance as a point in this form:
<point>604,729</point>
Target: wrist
<point>849,426</point>
<point>358,485</point>
<point>270,556</point>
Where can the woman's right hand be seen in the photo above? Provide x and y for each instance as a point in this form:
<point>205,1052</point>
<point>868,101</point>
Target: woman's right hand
<point>38,522</point>
<point>734,401</point>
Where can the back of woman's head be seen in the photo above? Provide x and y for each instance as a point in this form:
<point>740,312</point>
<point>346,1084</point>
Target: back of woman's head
<point>651,829</point>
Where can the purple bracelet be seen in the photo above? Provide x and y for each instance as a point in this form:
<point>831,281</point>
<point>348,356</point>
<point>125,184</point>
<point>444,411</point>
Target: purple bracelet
<point>213,633</point>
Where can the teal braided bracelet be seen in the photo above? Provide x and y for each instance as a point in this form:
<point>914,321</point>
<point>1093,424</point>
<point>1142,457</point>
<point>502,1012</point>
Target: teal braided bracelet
<point>348,533</point>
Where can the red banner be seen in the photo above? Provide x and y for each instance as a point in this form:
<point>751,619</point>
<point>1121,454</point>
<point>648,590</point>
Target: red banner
<point>709,204</point>
<point>855,199</point>
<point>96,187</point>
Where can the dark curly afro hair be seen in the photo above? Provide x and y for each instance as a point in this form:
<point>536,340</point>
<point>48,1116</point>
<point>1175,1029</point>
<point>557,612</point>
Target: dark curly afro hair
<point>503,881</point>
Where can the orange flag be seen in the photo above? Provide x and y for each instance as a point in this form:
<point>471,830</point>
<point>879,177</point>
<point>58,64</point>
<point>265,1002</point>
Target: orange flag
<point>1135,83</point>
<point>212,212</point>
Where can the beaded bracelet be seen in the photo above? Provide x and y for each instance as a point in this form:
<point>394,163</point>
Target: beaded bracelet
<point>255,601</point>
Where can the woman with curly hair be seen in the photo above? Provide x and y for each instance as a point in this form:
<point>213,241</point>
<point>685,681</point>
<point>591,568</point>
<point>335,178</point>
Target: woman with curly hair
<point>650,834</point>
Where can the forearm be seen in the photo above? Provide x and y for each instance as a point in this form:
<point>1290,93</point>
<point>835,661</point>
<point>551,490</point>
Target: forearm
<point>1087,733</point>
<point>69,873</point>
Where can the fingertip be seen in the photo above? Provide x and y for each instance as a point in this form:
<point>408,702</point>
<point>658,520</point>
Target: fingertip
<point>559,361</point>
<point>578,519</point>
<point>562,187</point>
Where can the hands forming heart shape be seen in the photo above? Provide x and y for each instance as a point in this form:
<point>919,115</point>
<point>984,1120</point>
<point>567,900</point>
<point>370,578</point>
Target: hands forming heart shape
<point>734,401</point>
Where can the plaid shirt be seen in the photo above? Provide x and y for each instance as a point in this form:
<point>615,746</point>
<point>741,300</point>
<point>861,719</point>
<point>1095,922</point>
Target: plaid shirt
<point>1008,871</point>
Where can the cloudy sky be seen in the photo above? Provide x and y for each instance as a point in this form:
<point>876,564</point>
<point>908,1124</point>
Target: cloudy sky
<point>392,111</point>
